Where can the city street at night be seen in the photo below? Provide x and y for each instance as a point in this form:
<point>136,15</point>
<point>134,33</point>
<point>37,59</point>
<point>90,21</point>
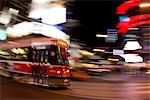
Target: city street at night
<point>74,49</point>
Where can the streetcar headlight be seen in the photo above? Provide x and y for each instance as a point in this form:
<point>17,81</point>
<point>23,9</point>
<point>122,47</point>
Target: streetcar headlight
<point>66,80</point>
<point>67,71</point>
<point>58,72</point>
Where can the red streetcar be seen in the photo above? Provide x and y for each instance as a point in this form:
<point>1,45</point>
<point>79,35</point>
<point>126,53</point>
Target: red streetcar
<point>36,60</point>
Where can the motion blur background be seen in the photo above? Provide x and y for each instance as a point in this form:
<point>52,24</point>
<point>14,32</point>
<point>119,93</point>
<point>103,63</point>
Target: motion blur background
<point>108,39</point>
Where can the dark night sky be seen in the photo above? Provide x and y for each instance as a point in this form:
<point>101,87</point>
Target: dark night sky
<point>95,17</point>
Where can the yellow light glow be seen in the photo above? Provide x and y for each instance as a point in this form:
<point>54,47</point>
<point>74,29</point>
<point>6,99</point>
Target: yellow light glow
<point>112,59</point>
<point>101,50</point>
<point>62,43</point>
<point>3,52</point>
<point>84,52</point>
<point>144,5</point>
<point>18,51</point>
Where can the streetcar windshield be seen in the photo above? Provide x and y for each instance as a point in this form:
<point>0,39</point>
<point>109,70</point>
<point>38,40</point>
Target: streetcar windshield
<point>58,55</point>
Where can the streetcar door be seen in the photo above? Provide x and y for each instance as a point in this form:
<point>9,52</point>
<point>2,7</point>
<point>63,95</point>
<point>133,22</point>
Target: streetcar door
<point>39,69</point>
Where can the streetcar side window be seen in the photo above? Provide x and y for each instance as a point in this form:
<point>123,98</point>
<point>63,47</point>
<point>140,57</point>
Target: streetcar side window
<point>15,54</point>
<point>46,56</point>
<point>33,56</point>
<point>4,54</point>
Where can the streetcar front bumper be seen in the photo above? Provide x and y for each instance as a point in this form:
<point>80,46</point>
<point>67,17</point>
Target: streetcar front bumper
<point>59,81</point>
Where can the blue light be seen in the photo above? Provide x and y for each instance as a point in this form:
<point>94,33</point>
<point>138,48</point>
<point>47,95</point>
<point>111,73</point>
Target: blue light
<point>3,35</point>
<point>59,26</point>
<point>124,18</point>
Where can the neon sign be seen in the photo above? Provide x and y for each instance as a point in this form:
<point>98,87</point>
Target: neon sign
<point>123,8</point>
<point>134,22</point>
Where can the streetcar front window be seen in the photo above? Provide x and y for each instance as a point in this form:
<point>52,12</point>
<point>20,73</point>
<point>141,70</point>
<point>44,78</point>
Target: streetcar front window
<point>57,56</point>
<point>64,56</point>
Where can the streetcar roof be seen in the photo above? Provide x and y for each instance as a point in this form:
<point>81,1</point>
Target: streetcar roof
<point>32,41</point>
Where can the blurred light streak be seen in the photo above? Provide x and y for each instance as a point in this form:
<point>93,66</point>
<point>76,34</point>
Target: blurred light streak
<point>42,1</point>
<point>46,13</point>
<point>58,3</point>
<point>112,59</point>
<point>54,15</point>
<point>27,28</point>
<point>118,52</point>
<point>147,40</point>
<point>13,11</point>
<point>19,30</point>
<point>139,17</point>
<point>86,65</point>
<point>3,34</point>
<point>135,64</point>
<point>84,52</point>
<point>132,45</point>
<point>101,50</point>
<point>124,18</point>
<point>100,35</point>
<point>132,58</point>
<point>134,19</point>
<point>144,5</point>
<point>49,31</point>
<point>123,8</point>
<point>133,29</point>
<point>108,52</point>
<point>124,26</point>
<point>5,17</point>
<point>13,43</point>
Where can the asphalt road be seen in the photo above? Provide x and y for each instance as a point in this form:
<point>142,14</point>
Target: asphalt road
<point>13,90</point>
<point>100,89</point>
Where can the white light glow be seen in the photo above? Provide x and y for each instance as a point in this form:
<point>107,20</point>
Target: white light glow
<point>52,16</point>
<point>5,17</point>
<point>26,28</point>
<point>58,72</point>
<point>100,35</point>
<point>132,45</point>
<point>55,15</point>
<point>13,11</point>
<point>118,52</point>
<point>132,58</point>
<point>19,30</point>
<point>133,29</point>
<point>49,31</point>
<point>131,36</point>
<point>144,5</point>
<point>126,20</point>
<point>101,50</point>
<point>36,13</point>
<point>42,1</point>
